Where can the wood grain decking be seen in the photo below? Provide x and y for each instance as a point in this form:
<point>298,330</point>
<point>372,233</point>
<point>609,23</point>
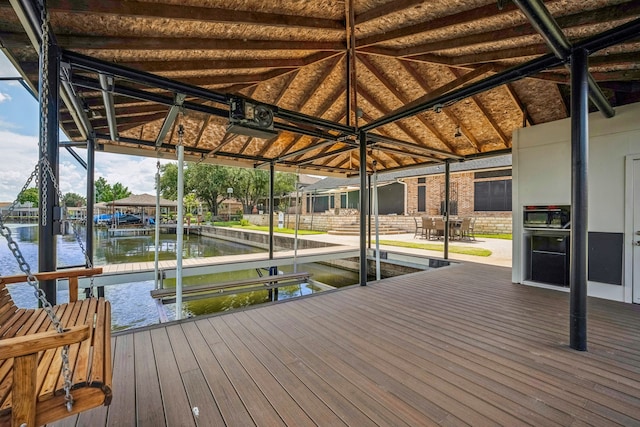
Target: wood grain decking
<point>455,346</point>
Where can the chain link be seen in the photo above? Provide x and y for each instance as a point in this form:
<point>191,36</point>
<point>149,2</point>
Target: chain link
<point>44,104</point>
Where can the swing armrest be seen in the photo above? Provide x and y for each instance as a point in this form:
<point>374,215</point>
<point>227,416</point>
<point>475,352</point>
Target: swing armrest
<point>33,343</point>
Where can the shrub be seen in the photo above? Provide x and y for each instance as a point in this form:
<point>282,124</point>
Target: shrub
<point>244,222</point>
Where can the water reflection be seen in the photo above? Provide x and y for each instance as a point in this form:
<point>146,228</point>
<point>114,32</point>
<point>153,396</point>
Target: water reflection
<point>131,303</point>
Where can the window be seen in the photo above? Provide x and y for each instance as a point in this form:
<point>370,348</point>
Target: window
<point>350,200</point>
<point>422,194</point>
<point>492,173</point>
<point>492,195</point>
<point>422,198</point>
<point>453,198</point>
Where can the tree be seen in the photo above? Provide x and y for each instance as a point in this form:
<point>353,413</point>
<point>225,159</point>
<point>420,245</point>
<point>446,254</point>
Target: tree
<point>106,192</point>
<point>208,183</point>
<point>73,200</point>
<point>249,186</point>
<point>103,190</point>
<point>169,181</point>
<point>119,191</point>
<point>32,195</point>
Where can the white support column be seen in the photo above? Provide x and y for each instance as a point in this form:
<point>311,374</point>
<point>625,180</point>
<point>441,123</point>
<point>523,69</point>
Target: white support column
<point>180,225</point>
<point>156,262</point>
<point>377,221</point>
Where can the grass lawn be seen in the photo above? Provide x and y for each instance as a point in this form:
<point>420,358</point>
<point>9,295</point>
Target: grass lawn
<point>494,236</point>
<point>439,248</point>
<point>236,224</point>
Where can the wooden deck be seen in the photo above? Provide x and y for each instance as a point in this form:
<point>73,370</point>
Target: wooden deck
<point>454,346</point>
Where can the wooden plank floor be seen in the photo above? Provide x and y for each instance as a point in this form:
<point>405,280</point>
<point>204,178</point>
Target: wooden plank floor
<point>455,346</point>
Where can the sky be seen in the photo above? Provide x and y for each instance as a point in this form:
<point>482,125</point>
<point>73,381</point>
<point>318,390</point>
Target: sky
<point>19,149</point>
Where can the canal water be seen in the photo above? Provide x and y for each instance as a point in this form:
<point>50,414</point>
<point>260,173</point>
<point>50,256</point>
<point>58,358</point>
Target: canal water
<point>131,303</point>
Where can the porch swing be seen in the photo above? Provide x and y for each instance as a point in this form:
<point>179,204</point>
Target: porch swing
<point>55,361</point>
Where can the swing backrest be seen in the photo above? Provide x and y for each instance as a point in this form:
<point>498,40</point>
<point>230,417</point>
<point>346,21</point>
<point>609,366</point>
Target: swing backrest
<point>30,351</point>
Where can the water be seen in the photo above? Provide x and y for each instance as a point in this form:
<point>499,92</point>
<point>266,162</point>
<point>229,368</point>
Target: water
<point>131,304</point>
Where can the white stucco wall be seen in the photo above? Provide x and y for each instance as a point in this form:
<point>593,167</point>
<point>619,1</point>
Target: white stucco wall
<point>542,176</point>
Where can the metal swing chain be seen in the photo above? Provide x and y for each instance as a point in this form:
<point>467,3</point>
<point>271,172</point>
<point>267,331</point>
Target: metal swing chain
<point>43,168</point>
<point>44,104</point>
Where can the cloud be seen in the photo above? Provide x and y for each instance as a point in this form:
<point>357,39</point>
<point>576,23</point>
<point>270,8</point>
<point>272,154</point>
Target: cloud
<point>4,97</point>
<point>19,157</point>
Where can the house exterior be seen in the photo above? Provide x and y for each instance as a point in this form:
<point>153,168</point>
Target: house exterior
<point>542,177</point>
<point>480,188</point>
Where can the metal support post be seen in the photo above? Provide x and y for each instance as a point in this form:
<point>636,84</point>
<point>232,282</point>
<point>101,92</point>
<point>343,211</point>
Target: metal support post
<point>272,177</point>
<point>447,196</point>
<point>369,216</point>
<point>91,199</point>
<point>579,201</point>
<point>364,204</point>
<point>156,252</point>
<point>180,224</point>
<point>49,203</point>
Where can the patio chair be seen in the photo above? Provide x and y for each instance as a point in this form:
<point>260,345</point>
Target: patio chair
<point>427,226</point>
<point>463,230</point>
<point>419,228</point>
<point>470,231</point>
<point>438,224</point>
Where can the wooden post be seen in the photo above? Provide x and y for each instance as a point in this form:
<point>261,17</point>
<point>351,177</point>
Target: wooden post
<point>23,390</point>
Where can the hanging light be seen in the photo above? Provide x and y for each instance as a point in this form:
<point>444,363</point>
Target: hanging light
<point>458,133</point>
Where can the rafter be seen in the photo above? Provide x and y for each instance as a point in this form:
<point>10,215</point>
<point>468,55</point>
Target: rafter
<point>459,18</point>
<point>569,21</point>
<point>205,123</point>
<point>403,99</point>
<point>159,66</point>
<point>468,77</point>
<point>487,114</point>
<point>137,110</point>
<point>320,112</point>
<point>191,13</point>
<point>402,126</point>
<point>352,75</point>
<point>134,120</point>
<point>497,55</point>
<point>526,118</point>
<point>190,43</point>
<point>325,148</point>
<point>386,9</point>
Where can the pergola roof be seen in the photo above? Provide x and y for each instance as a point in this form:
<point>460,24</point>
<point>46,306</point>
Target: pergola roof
<point>349,62</point>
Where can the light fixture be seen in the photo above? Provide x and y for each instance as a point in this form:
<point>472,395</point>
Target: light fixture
<point>458,133</point>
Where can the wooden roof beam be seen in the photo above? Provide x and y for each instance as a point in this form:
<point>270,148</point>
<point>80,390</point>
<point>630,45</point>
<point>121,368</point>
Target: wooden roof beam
<point>459,18</point>
<point>403,127</point>
<point>425,86</point>
<point>605,14</point>
<point>132,120</point>
<point>159,66</point>
<point>526,118</point>
<point>74,42</point>
<point>326,147</point>
<point>386,9</point>
<point>191,13</point>
<point>487,114</point>
<point>497,55</point>
<point>403,99</point>
<point>326,105</point>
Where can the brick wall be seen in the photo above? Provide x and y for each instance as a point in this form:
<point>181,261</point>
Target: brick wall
<point>494,222</point>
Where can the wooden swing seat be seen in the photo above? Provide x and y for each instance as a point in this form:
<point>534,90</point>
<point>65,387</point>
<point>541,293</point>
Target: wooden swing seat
<point>31,384</point>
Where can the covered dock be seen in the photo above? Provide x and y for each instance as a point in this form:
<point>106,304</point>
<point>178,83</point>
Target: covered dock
<point>460,345</point>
